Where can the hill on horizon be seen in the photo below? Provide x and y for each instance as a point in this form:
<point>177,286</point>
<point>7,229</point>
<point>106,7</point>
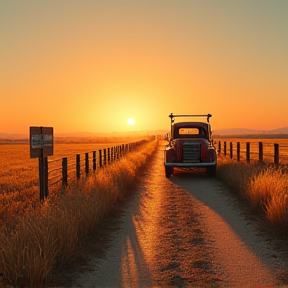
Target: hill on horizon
<point>4,135</point>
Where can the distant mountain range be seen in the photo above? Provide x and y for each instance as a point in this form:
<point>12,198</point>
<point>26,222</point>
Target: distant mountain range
<point>88,134</point>
<point>12,136</point>
<point>217,132</point>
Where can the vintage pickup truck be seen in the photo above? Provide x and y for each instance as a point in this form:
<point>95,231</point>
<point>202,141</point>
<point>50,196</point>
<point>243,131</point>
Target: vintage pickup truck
<point>190,146</point>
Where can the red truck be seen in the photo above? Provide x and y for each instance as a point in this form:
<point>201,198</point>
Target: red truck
<point>190,146</point>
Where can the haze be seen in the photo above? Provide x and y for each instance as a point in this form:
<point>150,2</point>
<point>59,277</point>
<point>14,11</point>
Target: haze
<point>91,65</point>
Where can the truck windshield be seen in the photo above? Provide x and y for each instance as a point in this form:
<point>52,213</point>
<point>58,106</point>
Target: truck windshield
<point>190,131</point>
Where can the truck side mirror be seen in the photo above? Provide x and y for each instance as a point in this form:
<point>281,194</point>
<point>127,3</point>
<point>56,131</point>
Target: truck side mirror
<point>167,137</point>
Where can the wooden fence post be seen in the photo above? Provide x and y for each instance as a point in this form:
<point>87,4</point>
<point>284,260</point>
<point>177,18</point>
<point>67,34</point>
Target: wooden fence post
<point>64,172</point>
<point>260,144</point>
<point>40,164</point>
<point>248,152</point>
<point>94,160</point>
<point>111,156</point>
<point>108,155</point>
<point>225,149</point>
<point>219,147</point>
<point>87,163</point>
<point>43,176</point>
<point>78,174</point>
<point>231,150</point>
<point>238,151</point>
<point>46,177</point>
<point>100,158</point>
<point>276,153</point>
<point>104,156</point>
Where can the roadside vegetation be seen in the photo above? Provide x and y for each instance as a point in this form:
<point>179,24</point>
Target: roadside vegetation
<point>41,240</point>
<point>263,186</point>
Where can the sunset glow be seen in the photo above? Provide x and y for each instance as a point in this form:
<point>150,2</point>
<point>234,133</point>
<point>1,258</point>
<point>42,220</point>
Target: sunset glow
<point>85,65</point>
<point>131,121</point>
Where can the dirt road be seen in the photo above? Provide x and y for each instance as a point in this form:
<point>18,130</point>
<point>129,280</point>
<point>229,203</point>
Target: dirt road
<point>186,231</point>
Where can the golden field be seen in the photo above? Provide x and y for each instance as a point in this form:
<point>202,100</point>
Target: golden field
<point>19,174</point>
<point>37,239</point>
<point>18,171</point>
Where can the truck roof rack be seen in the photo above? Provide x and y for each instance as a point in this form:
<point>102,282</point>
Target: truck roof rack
<point>205,115</point>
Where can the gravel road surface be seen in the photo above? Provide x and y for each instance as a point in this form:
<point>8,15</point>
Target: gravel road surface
<point>185,231</point>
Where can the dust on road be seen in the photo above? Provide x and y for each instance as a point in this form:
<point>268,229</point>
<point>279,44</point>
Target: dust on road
<point>185,231</point>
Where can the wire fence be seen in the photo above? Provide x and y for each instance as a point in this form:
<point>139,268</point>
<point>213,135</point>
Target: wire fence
<point>266,152</point>
<point>65,170</point>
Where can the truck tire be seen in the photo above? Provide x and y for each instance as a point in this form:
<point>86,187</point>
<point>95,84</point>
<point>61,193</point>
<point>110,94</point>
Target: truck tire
<point>168,171</point>
<point>211,171</point>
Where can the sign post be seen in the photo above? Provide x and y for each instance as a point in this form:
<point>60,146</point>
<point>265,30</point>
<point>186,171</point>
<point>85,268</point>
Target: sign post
<point>41,146</point>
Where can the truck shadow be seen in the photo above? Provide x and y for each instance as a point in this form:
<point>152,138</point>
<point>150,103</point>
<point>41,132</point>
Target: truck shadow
<point>227,210</point>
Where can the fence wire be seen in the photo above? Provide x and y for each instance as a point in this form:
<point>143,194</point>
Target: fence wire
<point>80,165</point>
<point>267,153</point>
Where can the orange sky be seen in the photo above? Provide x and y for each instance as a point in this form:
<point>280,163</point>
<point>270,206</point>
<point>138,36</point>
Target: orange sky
<point>91,65</point>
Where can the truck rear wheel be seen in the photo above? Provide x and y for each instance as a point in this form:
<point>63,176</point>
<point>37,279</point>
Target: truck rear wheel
<point>211,171</point>
<point>168,171</point>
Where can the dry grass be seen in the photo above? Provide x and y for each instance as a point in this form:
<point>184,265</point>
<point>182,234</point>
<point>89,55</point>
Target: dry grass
<point>46,236</point>
<point>19,187</point>
<point>265,187</point>
<point>269,190</point>
<point>20,173</point>
<point>236,175</point>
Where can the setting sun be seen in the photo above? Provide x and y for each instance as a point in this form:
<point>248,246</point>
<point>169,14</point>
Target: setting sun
<point>131,121</point>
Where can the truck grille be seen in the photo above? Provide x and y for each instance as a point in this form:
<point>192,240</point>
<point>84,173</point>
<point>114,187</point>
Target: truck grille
<point>191,152</point>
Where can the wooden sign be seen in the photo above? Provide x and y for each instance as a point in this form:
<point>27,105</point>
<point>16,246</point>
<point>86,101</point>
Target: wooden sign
<point>41,142</point>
